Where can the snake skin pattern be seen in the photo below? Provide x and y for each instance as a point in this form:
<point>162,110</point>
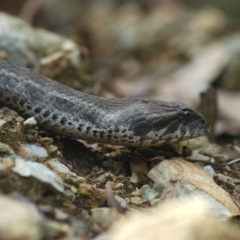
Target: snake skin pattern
<point>120,121</point>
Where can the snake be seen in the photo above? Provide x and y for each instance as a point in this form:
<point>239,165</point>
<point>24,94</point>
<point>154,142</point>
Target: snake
<point>67,112</point>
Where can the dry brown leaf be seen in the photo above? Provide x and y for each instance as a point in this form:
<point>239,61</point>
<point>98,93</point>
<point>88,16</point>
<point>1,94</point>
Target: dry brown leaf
<point>197,76</point>
<point>182,178</point>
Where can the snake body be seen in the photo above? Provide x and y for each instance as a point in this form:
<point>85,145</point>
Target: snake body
<point>121,121</point>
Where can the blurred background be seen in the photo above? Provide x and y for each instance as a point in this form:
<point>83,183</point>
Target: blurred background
<point>165,49</point>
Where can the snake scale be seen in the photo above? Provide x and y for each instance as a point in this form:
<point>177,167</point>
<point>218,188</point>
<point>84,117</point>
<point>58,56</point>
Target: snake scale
<point>120,121</point>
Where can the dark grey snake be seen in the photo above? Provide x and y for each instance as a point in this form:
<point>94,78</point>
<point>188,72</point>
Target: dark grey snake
<point>122,121</point>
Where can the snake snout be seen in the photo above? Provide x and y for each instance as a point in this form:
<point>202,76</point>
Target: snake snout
<point>204,125</point>
<point>195,123</point>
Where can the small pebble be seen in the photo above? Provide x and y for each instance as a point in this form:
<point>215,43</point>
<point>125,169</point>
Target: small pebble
<point>2,122</point>
<point>210,170</point>
<point>8,162</point>
<point>30,123</point>
<point>19,119</point>
<point>33,150</point>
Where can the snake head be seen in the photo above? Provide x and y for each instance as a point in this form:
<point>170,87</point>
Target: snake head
<point>158,122</point>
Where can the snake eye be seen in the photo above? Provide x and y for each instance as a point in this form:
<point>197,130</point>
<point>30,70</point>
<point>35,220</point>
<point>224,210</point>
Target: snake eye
<point>186,112</point>
<point>203,122</point>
